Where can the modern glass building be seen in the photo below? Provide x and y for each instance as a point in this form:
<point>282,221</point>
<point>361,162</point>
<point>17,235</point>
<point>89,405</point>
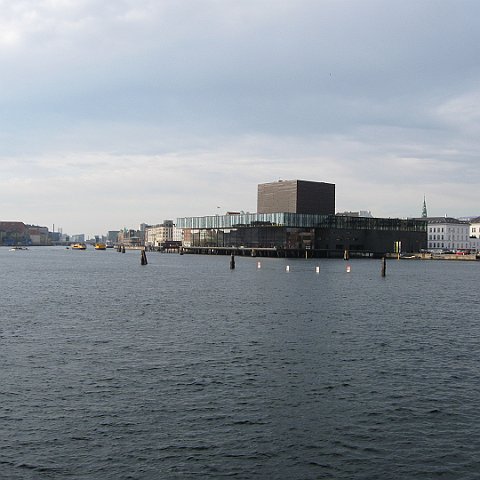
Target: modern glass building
<point>324,235</point>
<point>306,222</point>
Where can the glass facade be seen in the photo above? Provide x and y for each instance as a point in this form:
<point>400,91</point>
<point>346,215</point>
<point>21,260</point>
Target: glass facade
<point>292,231</point>
<point>297,220</point>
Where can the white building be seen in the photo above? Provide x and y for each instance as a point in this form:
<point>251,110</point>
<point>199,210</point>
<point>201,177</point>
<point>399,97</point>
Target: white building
<point>475,234</point>
<point>475,227</point>
<point>159,235</point>
<point>447,234</point>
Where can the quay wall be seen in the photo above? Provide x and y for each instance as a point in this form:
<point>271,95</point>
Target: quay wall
<point>438,256</point>
<point>316,253</point>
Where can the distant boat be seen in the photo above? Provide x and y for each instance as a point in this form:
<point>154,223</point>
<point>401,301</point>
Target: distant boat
<point>100,246</point>
<point>18,247</point>
<point>79,246</point>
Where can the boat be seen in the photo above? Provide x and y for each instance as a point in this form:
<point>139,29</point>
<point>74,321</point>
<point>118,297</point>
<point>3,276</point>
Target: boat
<point>18,247</point>
<point>100,246</point>
<point>78,246</point>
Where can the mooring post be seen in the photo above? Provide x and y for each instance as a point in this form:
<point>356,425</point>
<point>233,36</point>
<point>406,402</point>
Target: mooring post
<point>232,261</point>
<point>143,258</point>
<point>384,266</point>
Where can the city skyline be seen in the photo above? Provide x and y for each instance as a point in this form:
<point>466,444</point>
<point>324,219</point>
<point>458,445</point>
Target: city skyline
<point>138,111</point>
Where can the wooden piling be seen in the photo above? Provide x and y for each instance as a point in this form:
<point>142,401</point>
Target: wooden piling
<point>232,262</point>
<point>143,258</point>
<point>384,266</point>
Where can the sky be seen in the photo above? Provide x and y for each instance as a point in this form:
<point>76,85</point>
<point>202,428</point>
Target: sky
<point>115,113</point>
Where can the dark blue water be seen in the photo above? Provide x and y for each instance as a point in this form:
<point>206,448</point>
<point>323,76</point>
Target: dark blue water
<point>184,369</point>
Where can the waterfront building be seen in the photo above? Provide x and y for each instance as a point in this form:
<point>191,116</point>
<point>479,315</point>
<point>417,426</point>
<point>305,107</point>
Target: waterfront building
<point>305,221</point>
<point>112,236</point>
<point>475,227</point>
<point>18,233</point>
<point>475,234</point>
<point>163,234</point>
<point>13,233</point>
<point>38,235</point>
<point>291,233</point>
<point>55,237</point>
<point>130,237</point>
<point>447,234</point>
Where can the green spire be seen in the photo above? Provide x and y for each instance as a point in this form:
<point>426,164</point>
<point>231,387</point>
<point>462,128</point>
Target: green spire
<point>424,209</point>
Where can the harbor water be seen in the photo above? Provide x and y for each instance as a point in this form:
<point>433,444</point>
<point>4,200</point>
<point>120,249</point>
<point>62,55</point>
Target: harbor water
<point>186,369</point>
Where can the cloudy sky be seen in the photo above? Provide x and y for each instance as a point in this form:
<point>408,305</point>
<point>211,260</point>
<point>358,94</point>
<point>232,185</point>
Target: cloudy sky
<point>114,113</point>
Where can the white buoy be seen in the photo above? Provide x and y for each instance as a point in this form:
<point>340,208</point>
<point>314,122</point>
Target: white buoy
<point>317,269</point>
<point>259,265</point>
<point>348,268</point>
<point>287,268</point>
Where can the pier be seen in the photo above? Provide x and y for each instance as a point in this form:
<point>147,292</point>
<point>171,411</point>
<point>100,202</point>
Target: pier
<point>278,252</point>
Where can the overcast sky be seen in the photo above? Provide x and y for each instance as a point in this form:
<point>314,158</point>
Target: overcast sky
<point>114,113</point>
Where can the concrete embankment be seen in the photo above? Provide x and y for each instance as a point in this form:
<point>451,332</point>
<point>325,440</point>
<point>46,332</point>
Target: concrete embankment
<point>437,256</point>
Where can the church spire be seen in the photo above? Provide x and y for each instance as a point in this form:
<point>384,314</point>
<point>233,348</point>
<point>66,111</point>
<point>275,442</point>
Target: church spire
<point>424,209</point>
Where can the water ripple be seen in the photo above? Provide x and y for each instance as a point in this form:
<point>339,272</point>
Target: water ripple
<point>185,369</point>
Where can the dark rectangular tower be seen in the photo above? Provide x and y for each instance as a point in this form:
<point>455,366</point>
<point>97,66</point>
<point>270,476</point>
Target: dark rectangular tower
<point>296,196</point>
